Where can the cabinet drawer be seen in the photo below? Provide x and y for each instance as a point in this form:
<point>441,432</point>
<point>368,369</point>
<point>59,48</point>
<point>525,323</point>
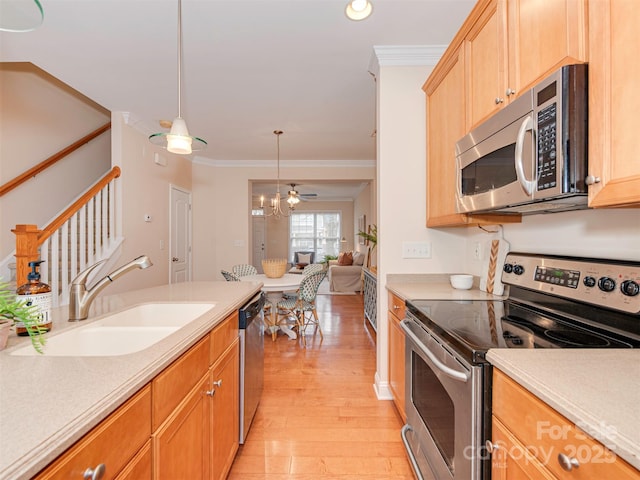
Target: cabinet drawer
<point>396,306</point>
<point>104,444</point>
<point>547,434</point>
<point>175,382</point>
<point>140,467</point>
<point>222,336</point>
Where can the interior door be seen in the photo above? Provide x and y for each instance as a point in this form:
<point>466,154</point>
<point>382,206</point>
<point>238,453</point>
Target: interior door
<point>258,225</point>
<point>180,235</point>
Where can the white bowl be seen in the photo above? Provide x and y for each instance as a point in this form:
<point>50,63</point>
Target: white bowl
<point>461,282</point>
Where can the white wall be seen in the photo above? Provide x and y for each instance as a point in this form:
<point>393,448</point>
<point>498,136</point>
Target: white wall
<point>222,201</point>
<point>145,190</point>
<point>40,116</point>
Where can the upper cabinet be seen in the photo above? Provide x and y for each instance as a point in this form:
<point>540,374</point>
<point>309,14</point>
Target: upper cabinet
<point>512,44</point>
<point>614,76</point>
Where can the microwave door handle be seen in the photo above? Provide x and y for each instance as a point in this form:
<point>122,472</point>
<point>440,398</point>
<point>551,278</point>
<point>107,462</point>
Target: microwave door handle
<point>455,374</point>
<point>528,185</point>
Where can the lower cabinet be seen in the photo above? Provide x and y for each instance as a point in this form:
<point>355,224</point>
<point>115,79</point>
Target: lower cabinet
<point>530,440</point>
<point>184,424</point>
<point>396,353</point>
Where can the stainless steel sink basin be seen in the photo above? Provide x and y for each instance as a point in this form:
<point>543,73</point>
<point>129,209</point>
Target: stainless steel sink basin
<point>121,333</point>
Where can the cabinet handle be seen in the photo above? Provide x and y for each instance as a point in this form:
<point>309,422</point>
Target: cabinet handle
<point>567,463</point>
<point>491,447</point>
<point>217,383</point>
<point>94,474</point>
<point>210,393</point>
<point>499,100</point>
<point>590,180</point>
<point>510,92</point>
<point>396,307</point>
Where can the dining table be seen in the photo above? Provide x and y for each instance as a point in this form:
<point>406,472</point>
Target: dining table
<point>274,288</point>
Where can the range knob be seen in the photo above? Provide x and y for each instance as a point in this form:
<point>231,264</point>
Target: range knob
<point>508,268</point>
<point>589,281</point>
<point>518,269</point>
<point>607,284</point>
<point>630,288</point>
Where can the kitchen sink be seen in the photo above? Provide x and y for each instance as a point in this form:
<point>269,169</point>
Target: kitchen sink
<point>121,333</point>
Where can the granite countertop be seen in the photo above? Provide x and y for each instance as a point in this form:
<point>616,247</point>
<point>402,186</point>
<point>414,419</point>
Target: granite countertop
<point>47,403</point>
<point>596,389</point>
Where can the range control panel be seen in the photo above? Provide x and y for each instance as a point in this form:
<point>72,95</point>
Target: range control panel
<point>606,283</point>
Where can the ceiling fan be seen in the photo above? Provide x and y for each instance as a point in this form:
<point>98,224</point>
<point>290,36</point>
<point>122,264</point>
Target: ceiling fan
<point>293,196</point>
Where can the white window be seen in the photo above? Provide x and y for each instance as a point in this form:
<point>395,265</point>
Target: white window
<point>317,232</point>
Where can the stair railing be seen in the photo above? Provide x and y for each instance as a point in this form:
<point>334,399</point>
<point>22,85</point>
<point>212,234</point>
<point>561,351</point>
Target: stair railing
<point>87,231</point>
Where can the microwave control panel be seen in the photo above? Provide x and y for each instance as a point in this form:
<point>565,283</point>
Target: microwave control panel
<point>547,167</point>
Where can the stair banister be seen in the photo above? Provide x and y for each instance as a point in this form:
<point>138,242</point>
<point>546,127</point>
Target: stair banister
<point>29,237</point>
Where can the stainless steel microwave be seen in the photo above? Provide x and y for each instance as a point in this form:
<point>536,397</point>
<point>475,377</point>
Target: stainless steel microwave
<point>531,156</point>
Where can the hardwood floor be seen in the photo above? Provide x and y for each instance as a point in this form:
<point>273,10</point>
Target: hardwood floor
<point>319,416</point>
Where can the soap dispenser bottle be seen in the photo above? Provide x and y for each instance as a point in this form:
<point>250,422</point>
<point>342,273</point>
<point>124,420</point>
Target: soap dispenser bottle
<point>38,294</point>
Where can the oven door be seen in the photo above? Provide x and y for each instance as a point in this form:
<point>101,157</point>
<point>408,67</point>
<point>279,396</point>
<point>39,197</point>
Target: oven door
<point>444,405</point>
<point>495,165</point>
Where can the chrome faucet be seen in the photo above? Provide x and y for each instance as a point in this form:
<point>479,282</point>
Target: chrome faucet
<point>80,297</point>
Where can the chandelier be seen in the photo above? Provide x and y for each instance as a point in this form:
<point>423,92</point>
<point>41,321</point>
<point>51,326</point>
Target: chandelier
<point>178,139</point>
<point>276,202</point>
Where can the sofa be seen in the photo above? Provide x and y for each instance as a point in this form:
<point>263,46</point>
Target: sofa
<point>346,278</point>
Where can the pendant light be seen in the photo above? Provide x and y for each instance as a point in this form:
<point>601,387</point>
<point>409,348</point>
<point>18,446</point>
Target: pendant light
<point>276,203</point>
<point>178,139</point>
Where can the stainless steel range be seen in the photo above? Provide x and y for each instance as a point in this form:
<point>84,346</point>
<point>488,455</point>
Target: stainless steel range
<point>553,302</point>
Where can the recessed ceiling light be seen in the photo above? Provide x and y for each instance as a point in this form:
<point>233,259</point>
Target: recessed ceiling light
<point>358,9</point>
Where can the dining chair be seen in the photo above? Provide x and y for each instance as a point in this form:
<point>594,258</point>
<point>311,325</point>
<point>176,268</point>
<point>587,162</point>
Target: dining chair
<point>314,267</point>
<point>303,306</point>
<point>244,269</point>
<point>230,277</point>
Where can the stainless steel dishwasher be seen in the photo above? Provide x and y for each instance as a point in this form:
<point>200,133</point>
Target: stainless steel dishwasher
<point>251,328</point>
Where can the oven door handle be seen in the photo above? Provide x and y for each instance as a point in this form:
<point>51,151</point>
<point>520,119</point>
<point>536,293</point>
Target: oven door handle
<point>412,458</point>
<point>527,185</point>
<point>450,372</point>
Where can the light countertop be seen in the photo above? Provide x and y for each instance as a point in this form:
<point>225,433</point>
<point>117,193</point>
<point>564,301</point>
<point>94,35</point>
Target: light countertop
<point>596,389</point>
<point>433,287</point>
<point>47,403</point>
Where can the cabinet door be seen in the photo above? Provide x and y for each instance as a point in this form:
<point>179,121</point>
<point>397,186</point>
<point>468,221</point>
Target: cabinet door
<point>181,446</point>
<point>486,57</point>
<point>225,416</point>
<point>396,363</point>
<point>614,76</point>
<point>544,35</point>
<point>511,460</point>
<point>445,126</point>
<point>139,468</point>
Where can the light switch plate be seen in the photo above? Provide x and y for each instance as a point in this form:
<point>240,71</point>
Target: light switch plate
<point>416,250</point>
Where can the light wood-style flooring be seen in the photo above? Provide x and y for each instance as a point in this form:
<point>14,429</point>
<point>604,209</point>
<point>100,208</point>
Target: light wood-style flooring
<point>319,416</point>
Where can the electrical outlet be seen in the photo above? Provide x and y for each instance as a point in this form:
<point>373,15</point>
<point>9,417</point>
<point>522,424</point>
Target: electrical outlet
<point>416,250</point>
<point>477,251</point>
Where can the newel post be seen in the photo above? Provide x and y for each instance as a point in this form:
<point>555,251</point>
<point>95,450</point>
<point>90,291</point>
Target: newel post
<point>26,250</point>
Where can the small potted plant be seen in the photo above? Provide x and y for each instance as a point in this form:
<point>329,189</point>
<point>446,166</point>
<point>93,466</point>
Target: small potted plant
<point>13,310</point>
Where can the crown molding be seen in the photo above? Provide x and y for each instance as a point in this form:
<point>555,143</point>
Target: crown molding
<point>405,56</point>
<point>285,163</point>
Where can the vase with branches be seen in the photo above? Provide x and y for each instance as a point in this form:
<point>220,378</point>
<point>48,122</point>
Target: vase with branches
<point>371,236</point>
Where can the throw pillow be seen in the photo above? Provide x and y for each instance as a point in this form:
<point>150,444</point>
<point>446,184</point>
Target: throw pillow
<point>345,258</point>
<point>304,258</point>
<point>358,258</point>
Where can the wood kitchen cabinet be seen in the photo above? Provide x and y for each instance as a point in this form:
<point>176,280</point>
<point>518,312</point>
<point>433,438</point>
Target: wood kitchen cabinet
<point>614,76</point>
<point>224,361</point>
<point>396,353</point>
<point>513,44</point>
<point>103,447</point>
<point>445,91</point>
<point>530,440</point>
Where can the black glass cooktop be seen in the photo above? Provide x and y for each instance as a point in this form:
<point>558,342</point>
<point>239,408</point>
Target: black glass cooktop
<point>472,327</point>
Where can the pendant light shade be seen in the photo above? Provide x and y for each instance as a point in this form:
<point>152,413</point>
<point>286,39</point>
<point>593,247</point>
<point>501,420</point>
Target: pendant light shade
<point>20,15</point>
<point>178,139</point>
